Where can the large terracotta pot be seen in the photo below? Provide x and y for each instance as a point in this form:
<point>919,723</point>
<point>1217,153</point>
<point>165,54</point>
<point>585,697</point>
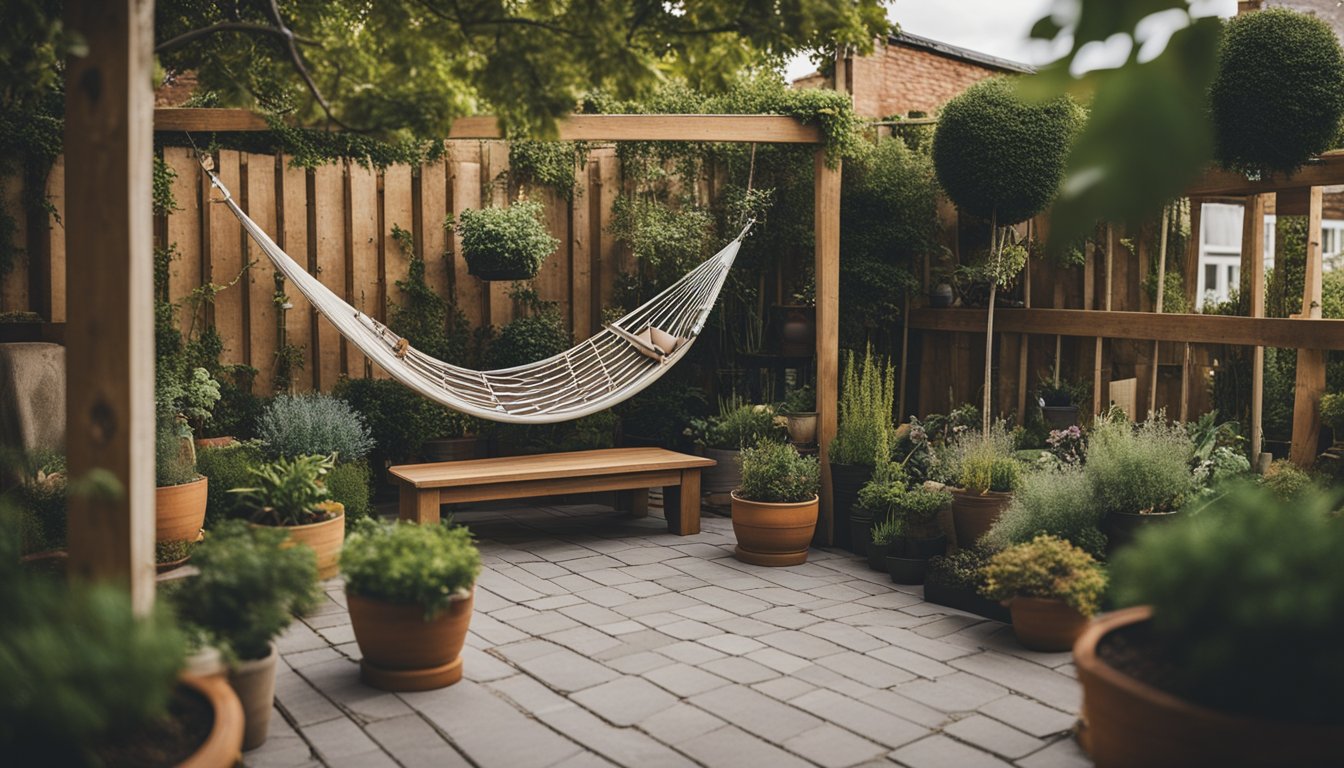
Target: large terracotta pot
<point>325,539</point>
<point>773,534</point>
<point>1121,527</point>
<point>223,747</point>
<point>725,475</point>
<point>797,330</point>
<point>1046,624</point>
<point>974,513</point>
<point>214,442</point>
<point>254,682</point>
<point>1130,723</point>
<point>404,652</point>
<point>179,510</point>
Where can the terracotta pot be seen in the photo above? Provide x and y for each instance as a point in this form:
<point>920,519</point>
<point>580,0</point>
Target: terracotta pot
<point>214,442</point>
<point>797,330</point>
<point>254,682</point>
<point>223,748</point>
<point>773,534</point>
<point>179,511</point>
<point>973,513</point>
<point>802,428</point>
<point>846,480</point>
<point>1059,416</point>
<point>325,539</point>
<point>1128,723</point>
<point>404,652</point>
<point>452,449</point>
<point>723,477</point>
<point>1121,527</point>
<point>1044,624</point>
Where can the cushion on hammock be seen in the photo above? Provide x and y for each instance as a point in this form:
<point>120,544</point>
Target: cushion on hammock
<point>657,343</point>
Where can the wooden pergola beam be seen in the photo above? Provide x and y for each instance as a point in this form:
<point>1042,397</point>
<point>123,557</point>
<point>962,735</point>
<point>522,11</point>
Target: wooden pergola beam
<point>1322,171</point>
<point>208,120</point>
<point>1292,333</point>
<point>771,129</point>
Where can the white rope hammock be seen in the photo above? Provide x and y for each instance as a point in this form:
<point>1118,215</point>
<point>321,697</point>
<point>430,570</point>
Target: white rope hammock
<point>620,361</point>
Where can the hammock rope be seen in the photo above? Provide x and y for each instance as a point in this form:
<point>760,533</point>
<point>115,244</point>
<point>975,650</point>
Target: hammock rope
<point>613,365</point>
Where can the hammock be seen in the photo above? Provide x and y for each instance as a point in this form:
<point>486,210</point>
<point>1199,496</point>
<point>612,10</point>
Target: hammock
<point>620,361</point>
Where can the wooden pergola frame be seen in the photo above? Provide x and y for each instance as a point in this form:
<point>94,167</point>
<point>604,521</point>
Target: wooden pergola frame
<point>108,140</point>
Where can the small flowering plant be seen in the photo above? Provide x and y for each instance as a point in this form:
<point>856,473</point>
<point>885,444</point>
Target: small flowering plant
<point>1067,446</point>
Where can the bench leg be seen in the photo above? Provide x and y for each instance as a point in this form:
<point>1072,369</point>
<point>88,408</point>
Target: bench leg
<point>635,502</point>
<point>685,500</point>
<point>420,506</point>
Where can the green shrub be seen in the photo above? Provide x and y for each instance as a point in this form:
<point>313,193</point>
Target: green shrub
<point>919,508</point>
<point>1056,502</point>
<point>1046,567</point>
<point>174,459</point>
<point>313,424</point>
<point>1141,468</point>
<point>227,467</point>
<point>349,484</point>
<point>288,491</point>
<point>737,426</point>
<point>867,402</point>
<point>996,153</point>
<point>403,562</point>
<point>799,400</point>
<point>979,462</point>
<point>585,434</point>
<point>1248,603</point>
<point>249,585</point>
<point>41,503</point>
<point>1286,481</point>
<point>775,473</point>
<point>399,420</point>
<point>528,339</point>
<point>662,411</point>
<point>507,243</point>
<point>1276,99</point>
<point>963,568</point>
<point>1332,413</point>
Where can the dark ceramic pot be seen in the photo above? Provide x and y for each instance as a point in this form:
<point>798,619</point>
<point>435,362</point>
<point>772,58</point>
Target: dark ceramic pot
<point>846,480</point>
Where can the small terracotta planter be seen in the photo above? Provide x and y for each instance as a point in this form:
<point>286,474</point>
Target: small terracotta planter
<point>1045,624</point>
<point>802,428</point>
<point>404,652</point>
<point>1127,722</point>
<point>179,510</point>
<point>223,747</point>
<point>773,534</point>
<point>214,442</point>
<point>325,539</point>
<point>254,682</point>
<point>974,513</point>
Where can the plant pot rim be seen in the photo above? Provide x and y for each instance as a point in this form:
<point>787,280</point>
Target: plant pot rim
<point>247,665</point>
<point>340,516</point>
<point>456,597</point>
<point>781,504</point>
<point>199,479</point>
<point>800,413</point>
<point>226,733</point>
<point>1168,513</point>
<point>968,492</point>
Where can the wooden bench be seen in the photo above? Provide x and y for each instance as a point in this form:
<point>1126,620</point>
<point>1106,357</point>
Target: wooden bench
<point>425,487</point>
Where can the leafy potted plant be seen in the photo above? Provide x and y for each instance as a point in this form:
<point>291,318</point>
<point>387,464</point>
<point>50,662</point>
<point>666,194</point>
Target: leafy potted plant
<point>1059,399</point>
<point>775,510</point>
<point>319,424</point>
<point>248,587</point>
<point>955,580</point>
<point>507,243</point>
<point>290,493</point>
<point>881,538</point>
<point>875,505</point>
<point>180,493</point>
<point>800,412</point>
<point>983,471</point>
<point>1139,475</point>
<point>920,536</point>
<point>1216,663</point>
<point>863,437</point>
<point>722,437</point>
<point>1051,587</point>
<point>409,589</point>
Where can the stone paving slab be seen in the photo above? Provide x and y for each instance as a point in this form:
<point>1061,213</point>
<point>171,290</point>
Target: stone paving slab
<point>600,640</point>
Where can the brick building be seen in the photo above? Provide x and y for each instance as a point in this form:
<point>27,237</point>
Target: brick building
<point>909,73</point>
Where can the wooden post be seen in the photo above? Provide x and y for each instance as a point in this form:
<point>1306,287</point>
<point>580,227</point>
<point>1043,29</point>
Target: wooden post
<point>827,218</point>
<point>1161,286</point>
<point>1310,362</point>
<point>1253,277</point>
<point>109,117</point>
<point>1022,384</point>
<point>1191,275</point>
<point>1097,400</point>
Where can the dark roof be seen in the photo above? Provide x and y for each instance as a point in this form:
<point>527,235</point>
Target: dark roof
<point>956,52</point>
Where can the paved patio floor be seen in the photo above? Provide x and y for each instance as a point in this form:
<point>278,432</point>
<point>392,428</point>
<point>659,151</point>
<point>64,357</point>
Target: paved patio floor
<point>600,640</point>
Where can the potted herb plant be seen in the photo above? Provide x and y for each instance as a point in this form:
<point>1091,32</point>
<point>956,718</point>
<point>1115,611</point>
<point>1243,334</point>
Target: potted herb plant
<point>508,243</point>
<point>1059,399</point>
<point>955,580</point>
<point>920,536</point>
<point>800,412</point>
<point>881,538</point>
<point>248,587</point>
<point>1214,662</point>
<point>983,471</point>
<point>409,589</point>
<point>1051,587</point>
<point>180,493</point>
<point>863,437</point>
<point>290,493</point>
<point>722,437</point>
<point>775,509</point>
<point>875,504</point>
<point>1139,475</point>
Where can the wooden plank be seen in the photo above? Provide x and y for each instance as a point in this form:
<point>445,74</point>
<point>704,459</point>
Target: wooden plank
<point>826,208</point>
<point>1253,278</point>
<point>1190,276</point>
<point>433,239</point>
<point>494,164</point>
<point>398,210</point>
<point>363,289</point>
<point>262,328</point>
<point>469,291</point>
<point>57,245</point>
<point>552,280</point>
<point>580,255</point>
<point>1290,333</point>
<point>224,262</point>
<point>14,285</point>
<point>328,201</point>
<point>294,238</point>
<point>548,466</point>
<point>184,224</point>
<point>717,128</point>
<point>208,120</point>
<point>606,188</point>
<point>1310,384</point>
<point>1322,171</point>
<point>110,329</point>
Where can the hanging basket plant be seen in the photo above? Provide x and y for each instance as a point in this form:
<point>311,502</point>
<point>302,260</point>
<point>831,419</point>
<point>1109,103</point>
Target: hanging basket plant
<point>507,243</point>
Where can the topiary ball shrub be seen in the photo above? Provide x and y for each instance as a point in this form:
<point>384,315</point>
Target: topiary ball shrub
<point>507,243</point>
<point>996,154</point>
<point>1278,95</point>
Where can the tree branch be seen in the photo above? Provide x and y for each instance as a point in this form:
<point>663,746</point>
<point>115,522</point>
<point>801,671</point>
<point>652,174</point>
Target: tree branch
<point>224,26</point>
<point>297,60</point>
